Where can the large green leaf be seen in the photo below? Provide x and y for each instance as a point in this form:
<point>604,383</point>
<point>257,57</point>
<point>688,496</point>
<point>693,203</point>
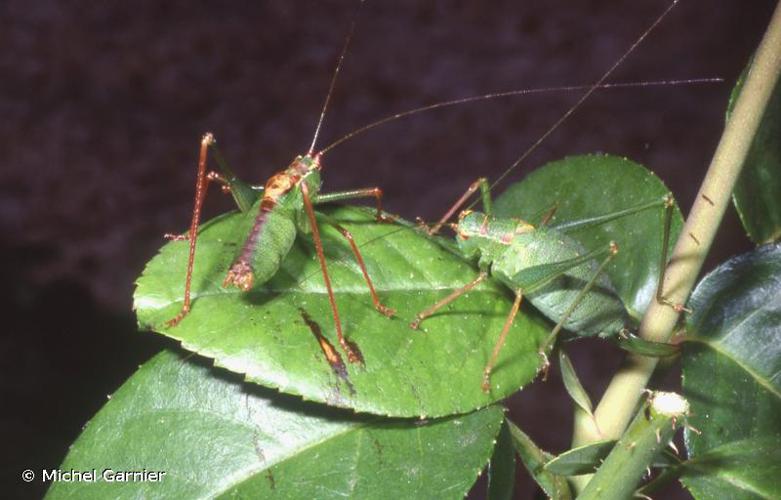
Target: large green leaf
<point>740,469</point>
<point>215,436</point>
<point>757,194</point>
<point>732,368</point>
<point>592,185</point>
<point>264,335</point>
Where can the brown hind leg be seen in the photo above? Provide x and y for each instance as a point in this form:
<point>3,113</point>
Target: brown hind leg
<point>353,354</point>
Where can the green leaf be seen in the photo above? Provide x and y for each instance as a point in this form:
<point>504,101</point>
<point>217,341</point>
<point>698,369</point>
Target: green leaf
<point>740,469</point>
<point>592,185</point>
<point>501,468</point>
<point>757,194</point>
<point>214,436</point>
<point>581,460</point>
<point>534,460</point>
<point>732,363</point>
<point>572,383</point>
<point>264,334</point>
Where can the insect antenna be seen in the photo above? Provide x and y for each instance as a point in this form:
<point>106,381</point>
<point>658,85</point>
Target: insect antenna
<point>331,86</point>
<point>513,93</point>
<point>583,98</point>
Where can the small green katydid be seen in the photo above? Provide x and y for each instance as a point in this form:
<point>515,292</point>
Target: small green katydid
<point>545,264</point>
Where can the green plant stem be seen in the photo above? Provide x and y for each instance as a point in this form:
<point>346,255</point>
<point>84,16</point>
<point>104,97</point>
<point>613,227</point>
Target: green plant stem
<point>620,400</point>
<point>647,435</point>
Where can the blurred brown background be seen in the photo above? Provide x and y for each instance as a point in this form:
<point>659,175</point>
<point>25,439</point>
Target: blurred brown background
<point>103,105</point>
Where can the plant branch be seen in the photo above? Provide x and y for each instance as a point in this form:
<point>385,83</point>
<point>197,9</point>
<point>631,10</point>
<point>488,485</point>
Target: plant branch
<point>619,402</point>
<point>649,433</point>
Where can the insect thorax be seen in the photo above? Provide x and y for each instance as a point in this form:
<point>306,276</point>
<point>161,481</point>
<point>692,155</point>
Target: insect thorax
<point>479,235</point>
<point>282,190</point>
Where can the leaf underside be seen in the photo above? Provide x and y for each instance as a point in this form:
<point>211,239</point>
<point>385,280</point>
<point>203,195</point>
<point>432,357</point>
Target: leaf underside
<point>263,335</point>
<point>757,194</point>
<point>215,436</point>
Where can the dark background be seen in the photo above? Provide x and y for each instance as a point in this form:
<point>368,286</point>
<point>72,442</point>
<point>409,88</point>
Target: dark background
<point>103,106</point>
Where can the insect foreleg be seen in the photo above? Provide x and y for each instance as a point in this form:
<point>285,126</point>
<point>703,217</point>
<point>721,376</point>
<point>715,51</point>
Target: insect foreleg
<point>500,342</point>
<point>374,192</point>
<point>353,354</point>
<point>485,196</point>
<point>447,300</point>
<point>387,311</point>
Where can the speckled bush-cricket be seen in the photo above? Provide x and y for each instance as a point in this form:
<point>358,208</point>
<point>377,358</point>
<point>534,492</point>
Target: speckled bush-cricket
<point>545,264</point>
<point>285,207</point>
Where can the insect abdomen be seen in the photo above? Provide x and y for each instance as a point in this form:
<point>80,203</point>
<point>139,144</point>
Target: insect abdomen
<point>600,312</point>
<point>262,254</point>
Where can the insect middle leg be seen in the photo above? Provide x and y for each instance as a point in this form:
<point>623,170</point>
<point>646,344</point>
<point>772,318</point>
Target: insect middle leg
<point>551,339</point>
<point>387,311</point>
<point>561,268</point>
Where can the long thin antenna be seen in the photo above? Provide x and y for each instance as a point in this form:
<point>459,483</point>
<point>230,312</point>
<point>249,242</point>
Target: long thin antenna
<point>514,93</point>
<point>333,77</point>
<point>585,96</point>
